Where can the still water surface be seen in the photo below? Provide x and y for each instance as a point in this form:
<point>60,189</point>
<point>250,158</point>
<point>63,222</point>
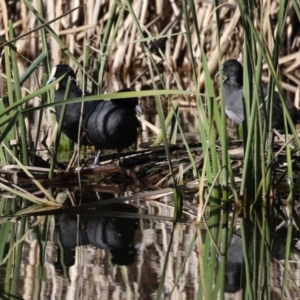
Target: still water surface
<point>100,255</point>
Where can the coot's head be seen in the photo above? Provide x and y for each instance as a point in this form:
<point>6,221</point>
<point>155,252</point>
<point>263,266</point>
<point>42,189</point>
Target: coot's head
<point>128,102</point>
<point>232,72</point>
<point>60,70</point>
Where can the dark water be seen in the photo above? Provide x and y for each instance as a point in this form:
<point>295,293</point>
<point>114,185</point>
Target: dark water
<point>118,251</point>
<point>99,257</point>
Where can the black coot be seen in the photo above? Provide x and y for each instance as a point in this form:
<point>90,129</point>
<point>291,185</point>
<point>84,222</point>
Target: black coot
<point>233,95</point>
<point>72,116</point>
<point>112,124</point>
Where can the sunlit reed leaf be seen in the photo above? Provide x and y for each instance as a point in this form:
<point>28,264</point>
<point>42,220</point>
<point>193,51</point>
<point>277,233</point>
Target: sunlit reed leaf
<point>91,211</point>
<point>86,98</point>
<point>27,196</point>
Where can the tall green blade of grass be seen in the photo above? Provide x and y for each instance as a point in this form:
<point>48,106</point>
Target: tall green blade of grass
<point>206,106</point>
<point>7,231</point>
<point>10,263</point>
<point>160,288</point>
<point>283,8</point>
<point>62,255</point>
<point>105,48</point>
<point>18,257</point>
<point>21,122</point>
<point>215,242</point>
<point>59,129</point>
<point>46,63</point>
<point>257,268</point>
<point>5,138</point>
<point>4,119</point>
<point>296,6</point>
<point>42,31</point>
<point>42,240</point>
<point>40,117</point>
<point>253,149</point>
<point>187,255</point>
<point>167,122</point>
<point>13,135</point>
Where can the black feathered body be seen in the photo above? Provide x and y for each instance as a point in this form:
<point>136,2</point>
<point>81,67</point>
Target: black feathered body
<point>278,115</point>
<point>72,116</point>
<point>71,120</point>
<point>112,125</point>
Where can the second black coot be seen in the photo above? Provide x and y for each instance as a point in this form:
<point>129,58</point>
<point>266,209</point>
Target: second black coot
<point>112,124</point>
<point>233,96</point>
<point>72,116</point>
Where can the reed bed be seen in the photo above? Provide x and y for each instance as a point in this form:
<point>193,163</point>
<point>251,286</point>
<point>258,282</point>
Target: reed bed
<point>178,37</point>
<point>163,30</point>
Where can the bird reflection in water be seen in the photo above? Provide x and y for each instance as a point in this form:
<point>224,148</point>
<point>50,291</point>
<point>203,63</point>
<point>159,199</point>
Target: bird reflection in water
<point>235,270</point>
<point>114,234</point>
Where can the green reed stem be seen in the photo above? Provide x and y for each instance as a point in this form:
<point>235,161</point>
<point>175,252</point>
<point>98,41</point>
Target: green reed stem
<point>59,128</point>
